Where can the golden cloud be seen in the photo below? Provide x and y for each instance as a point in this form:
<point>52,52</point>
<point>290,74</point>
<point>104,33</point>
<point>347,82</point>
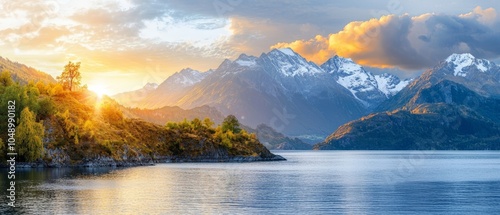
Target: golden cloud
<point>358,40</point>
<point>406,42</point>
<point>316,49</point>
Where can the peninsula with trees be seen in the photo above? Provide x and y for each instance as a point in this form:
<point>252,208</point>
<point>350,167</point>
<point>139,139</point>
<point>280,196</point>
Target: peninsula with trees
<point>62,123</point>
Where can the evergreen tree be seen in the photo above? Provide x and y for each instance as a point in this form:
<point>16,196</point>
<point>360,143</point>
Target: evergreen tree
<point>29,136</point>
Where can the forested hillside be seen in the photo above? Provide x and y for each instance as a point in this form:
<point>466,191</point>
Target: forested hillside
<point>58,127</point>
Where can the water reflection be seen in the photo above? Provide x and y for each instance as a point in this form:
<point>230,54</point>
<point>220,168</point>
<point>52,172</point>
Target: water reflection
<point>309,182</point>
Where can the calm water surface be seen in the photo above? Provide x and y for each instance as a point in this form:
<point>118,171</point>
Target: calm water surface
<point>310,182</point>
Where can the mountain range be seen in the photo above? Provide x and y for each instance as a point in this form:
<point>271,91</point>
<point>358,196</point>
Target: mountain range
<point>451,106</point>
<point>280,89</point>
<point>454,105</point>
<point>160,116</point>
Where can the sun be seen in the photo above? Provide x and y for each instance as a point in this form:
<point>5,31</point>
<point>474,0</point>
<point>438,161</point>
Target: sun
<point>99,89</point>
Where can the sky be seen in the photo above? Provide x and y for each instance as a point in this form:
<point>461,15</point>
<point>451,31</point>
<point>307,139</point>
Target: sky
<point>122,45</point>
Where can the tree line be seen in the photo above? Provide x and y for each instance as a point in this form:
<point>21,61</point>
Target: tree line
<point>34,103</point>
<point>66,116</point>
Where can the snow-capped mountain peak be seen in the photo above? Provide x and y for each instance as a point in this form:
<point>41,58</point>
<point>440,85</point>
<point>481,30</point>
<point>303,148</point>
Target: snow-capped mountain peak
<point>465,60</point>
<point>289,63</point>
<point>369,89</point>
<point>287,51</point>
<point>245,60</point>
<point>345,65</point>
<point>150,86</point>
<point>187,77</point>
<point>351,76</point>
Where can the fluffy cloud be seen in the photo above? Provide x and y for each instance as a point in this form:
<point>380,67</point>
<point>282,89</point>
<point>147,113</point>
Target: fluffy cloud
<point>110,37</point>
<point>407,42</point>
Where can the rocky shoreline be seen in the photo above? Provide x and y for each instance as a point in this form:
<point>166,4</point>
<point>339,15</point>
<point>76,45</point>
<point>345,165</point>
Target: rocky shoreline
<point>109,162</point>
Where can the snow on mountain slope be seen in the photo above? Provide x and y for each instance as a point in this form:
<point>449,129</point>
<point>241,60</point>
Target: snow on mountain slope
<point>390,84</point>
<point>290,63</point>
<point>246,62</point>
<point>368,88</point>
<point>478,75</point>
<point>187,77</point>
<point>287,51</point>
<point>462,61</point>
<point>279,88</point>
<point>353,77</point>
<point>282,89</point>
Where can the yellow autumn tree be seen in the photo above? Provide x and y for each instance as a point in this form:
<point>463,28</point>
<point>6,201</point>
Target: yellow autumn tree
<point>70,77</point>
<point>29,136</point>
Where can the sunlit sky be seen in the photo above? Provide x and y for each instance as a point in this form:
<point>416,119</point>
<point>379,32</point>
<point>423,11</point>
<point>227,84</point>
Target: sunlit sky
<point>122,45</point>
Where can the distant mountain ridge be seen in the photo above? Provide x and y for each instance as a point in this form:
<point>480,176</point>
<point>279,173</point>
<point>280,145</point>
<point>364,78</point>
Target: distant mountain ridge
<point>131,98</point>
<point>161,116</point>
<point>23,73</point>
<point>479,75</point>
<point>455,106</point>
<point>279,88</point>
<point>274,140</point>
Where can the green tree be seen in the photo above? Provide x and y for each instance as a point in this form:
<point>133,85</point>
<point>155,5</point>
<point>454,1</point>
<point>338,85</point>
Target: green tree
<point>10,94</point>
<point>47,107</point>
<point>196,124</point>
<point>70,77</point>
<point>68,129</point>
<point>208,123</point>
<point>29,136</point>
<point>231,123</point>
<point>5,80</point>
<point>172,125</point>
<point>29,98</point>
<point>42,88</point>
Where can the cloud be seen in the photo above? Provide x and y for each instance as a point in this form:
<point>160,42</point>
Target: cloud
<point>107,37</point>
<point>316,49</point>
<point>407,42</point>
<point>155,38</point>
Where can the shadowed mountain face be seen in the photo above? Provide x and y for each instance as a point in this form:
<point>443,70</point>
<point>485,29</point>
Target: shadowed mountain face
<point>453,106</point>
<point>480,76</point>
<point>280,89</point>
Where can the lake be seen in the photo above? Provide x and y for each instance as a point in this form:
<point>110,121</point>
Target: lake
<point>310,182</point>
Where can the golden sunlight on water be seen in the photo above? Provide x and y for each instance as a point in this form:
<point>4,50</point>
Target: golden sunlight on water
<point>347,182</point>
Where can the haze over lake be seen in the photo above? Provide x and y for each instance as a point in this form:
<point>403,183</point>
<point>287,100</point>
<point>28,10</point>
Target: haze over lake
<point>310,182</point>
